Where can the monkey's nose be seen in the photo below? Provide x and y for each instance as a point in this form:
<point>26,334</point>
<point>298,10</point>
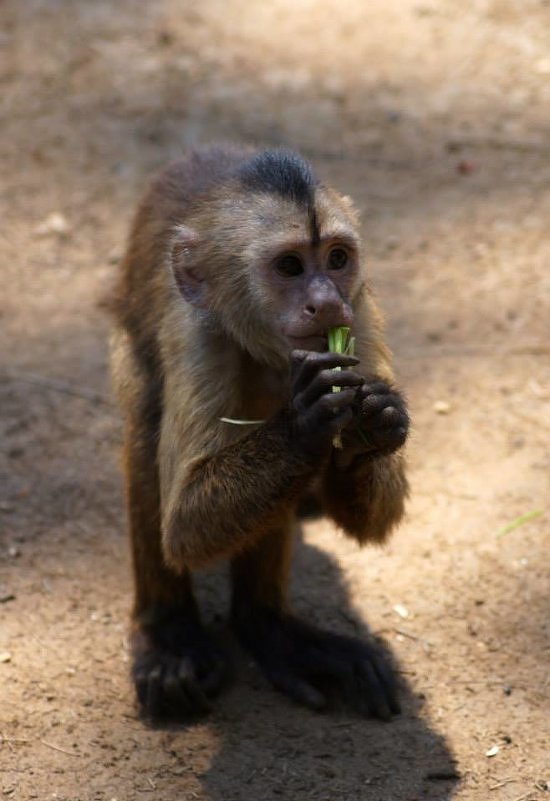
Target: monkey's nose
<point>328,313</point>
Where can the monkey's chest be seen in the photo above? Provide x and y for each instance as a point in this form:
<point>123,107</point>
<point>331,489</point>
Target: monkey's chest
<point>263,394</point>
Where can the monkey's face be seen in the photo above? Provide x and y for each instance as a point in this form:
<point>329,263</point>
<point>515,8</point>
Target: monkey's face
<point>276,276</point>
<point>307,289</point>
<point>307,271</point>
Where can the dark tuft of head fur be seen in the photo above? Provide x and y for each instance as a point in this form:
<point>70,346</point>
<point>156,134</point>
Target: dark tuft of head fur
<point>281,172</point>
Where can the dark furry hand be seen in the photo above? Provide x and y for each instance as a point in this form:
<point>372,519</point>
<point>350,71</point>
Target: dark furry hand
<point>317,413</point>
<point>380,422</point>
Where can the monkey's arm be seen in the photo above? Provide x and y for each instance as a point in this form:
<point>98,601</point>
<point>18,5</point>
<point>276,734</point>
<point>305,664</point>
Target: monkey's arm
<point>367,498</point>
<point>365,485</point>
<point>222,502</point>
<point>219,496</point>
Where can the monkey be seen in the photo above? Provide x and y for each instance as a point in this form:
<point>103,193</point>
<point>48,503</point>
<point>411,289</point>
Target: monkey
<point>239,261</point>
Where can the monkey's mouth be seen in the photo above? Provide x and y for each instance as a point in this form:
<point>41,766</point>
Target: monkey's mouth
<point>314,342</point>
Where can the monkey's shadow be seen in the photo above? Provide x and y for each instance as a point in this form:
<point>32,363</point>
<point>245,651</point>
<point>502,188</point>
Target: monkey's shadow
<point>269,747</point>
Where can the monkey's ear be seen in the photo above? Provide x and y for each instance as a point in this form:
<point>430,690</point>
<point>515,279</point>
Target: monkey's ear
<point>189,280</point>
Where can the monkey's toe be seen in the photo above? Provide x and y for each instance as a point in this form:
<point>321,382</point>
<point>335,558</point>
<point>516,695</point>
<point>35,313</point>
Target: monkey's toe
<point>312,666</point>
<point>178,683</point>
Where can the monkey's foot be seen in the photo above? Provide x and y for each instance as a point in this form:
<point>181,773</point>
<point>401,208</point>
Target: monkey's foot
<point>176,669</point>
<point>310,665</point>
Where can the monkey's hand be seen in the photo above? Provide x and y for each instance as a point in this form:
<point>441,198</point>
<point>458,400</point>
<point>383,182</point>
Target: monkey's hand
<point>317,413</point>
<point>380,422</point>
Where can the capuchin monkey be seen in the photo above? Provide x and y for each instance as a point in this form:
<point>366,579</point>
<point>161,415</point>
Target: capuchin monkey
<point>238,264</point>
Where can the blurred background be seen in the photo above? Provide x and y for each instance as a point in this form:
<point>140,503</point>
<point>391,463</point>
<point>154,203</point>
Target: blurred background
<point>434,117</point>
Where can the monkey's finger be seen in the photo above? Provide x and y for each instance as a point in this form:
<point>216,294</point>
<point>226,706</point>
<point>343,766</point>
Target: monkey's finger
<point>177,696</point>
<point>326,358</point>
<point>321,423</point>
<point>151,692</point>
<point>297,689</point>
<point>372,691</point>
<point>297,357</point>
<point>387,678</point>
<point>305,367</point>
<point>376,388</point>
<point>328,405</point>
<point>196,699</point>
<point>314,362</point>
<point>388,418</point>
<point>387,431</point>
<point>374,404</point>
<point>141,684</point>
<point>325,380</point>
<point>337,425</point>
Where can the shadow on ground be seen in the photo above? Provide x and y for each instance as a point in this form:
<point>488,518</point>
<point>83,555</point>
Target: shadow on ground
<point>266,747</point>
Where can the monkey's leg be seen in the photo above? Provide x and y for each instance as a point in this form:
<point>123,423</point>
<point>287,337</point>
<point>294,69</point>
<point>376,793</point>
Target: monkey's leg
<point>175,665</point>
<point>302,661</point>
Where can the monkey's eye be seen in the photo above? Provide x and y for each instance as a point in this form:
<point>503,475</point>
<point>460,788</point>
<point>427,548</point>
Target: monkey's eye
<point>289,266</point>
<point>337,259</point>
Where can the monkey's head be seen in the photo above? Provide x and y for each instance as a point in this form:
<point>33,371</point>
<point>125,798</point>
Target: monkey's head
<point>271,256</point>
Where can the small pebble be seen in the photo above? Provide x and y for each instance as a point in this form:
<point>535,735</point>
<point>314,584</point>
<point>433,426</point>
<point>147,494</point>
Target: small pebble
<point>401,610</point>
<point>55,223</point>
<point>442,407</point>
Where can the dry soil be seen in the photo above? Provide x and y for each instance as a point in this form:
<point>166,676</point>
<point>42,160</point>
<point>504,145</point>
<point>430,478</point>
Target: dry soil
<point>433,115</point>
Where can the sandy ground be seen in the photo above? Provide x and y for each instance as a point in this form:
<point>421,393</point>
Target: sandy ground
<point>433,115</point>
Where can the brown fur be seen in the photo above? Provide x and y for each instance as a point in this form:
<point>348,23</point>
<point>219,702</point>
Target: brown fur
<point>199,489</point>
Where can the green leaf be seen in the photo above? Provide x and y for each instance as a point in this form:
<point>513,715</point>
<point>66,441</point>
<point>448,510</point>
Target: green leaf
<point>519,521</point>
<point>339,341</point>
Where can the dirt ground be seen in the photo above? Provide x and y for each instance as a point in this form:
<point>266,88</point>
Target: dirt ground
<point>433,115</point>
